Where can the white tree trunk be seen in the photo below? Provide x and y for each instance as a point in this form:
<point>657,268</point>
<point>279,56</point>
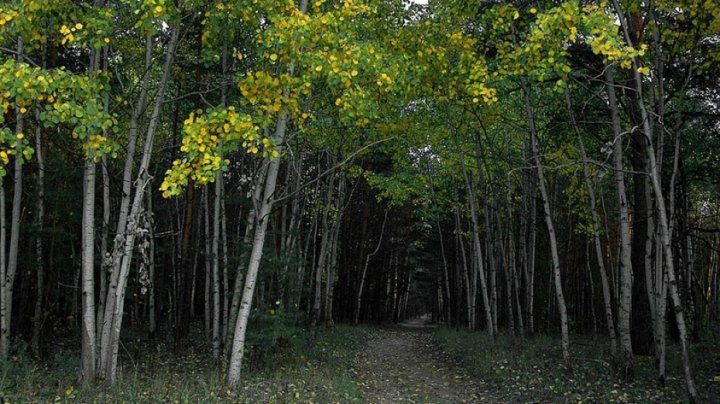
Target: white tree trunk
<point>8,279</point>
<point>478,255</point>
<point>88,275</point>
<point>596,234</point>
<point>625,354</point>
<point>562,310</point>
<point>112,320</point>
<point>662,218</point>
<point>238,344</point>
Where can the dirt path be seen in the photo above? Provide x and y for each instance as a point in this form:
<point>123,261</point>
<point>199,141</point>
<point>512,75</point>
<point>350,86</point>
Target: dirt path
<point>400,365</point>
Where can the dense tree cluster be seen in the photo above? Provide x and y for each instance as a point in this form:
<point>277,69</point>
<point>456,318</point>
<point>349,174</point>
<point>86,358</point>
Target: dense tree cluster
<point>524,167</point>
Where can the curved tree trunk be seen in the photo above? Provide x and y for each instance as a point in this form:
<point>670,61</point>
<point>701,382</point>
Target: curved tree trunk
<point>358,303</point>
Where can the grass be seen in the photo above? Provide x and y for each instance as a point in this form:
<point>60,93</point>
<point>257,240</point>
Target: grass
<point>296,368</point>
<point>531,370</point>
<point>286,364</point>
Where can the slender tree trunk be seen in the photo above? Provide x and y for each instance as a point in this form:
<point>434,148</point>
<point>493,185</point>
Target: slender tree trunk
<point>114,305</point>
<point>214,254</point>
<point>290,242</point>
<point>225,279</point>
<point>334,250</point>
<point>592,290</point>
<point>193,281</point>
<point>208,315</point>
<point>246,243</point>
<point>88,272</point>
<point>477,247</point>
<point>625,354</point>
<point>492,264</point>
<point>507,271</point>
<point>322,259</point>
<point>89,327</point>
<point>513,267</point>
<point>596,234</point>
<point>4,320</point>
<point>562,310</point>
<point>670,270</point>
<point>466,276</point>
<point>9,279</point>
<point>112,286</point>
<point>106,261</point>
<point>358,303</point>
<point>529,267</point>
<point>152,321</point>
<point>663,221</point>
<point>110,297</point>
<point>662,218</point>
<point>238,343</point>
<point>39,317</point>
<point>446,278</point>
<point>220,320</point>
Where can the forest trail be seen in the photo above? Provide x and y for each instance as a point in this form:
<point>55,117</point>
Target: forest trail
<point>401,365</point>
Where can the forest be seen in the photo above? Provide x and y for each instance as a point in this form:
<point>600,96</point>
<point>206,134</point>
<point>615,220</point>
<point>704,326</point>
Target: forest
<point>265,200</point>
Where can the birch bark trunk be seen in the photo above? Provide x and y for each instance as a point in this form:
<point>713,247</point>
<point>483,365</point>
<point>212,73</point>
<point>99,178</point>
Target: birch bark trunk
<point>88,270</point>
<point>489,321</point>
<point>263,217</point>
<point>562,310</point>
<point>246,243</point>
<point>662,218</point>
<point>8,279</point>
<point>625,354</point>
<point>116,296</point>
<point>595,233</point>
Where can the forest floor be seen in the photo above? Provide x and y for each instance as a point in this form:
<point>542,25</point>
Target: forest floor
<point>402,365</point>
<point>409,363</point>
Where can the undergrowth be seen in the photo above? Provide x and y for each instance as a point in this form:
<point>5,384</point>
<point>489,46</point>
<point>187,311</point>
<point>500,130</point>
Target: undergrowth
<point>285,365</point>
<point>532,370</point>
